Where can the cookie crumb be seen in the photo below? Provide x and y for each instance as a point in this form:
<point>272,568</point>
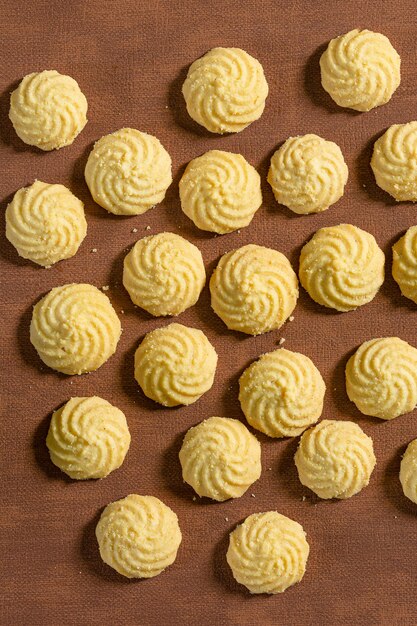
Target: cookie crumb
<point>238,232</point>
<point>281,341</point>
<point>122,311</point>
<point>134,230</point>
<point>105,288</point>
<point>148,227</point>
<point>291,318</point>
<point>226,519</point>
<point>253,495</point>
<point>269,468</point>
<point>304,498</point>
<point>94,250</point>
<point>194,498</point>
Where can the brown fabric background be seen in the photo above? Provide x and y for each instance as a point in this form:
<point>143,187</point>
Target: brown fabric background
<point>130,58</point>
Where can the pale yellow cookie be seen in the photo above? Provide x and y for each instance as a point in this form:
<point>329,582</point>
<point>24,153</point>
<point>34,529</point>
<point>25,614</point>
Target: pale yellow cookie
<point>308,174</point>
<point>282,393</point>
<point>254,289</point>
<point>128,172</point>
<point>88,438</point>
<point>175,365</point>
<point>394,161</point>
<point>220,191</point>
<point>404,263</point>
<point>342,267</point>
<point>225,90</point>
<point>360,70</point>
<point>335,459</point>
<point>45,223</point>
<point>74,328</point>
<point>164,274</point>
<point>138,536</point>
<point>408,471</point>
<point>48,110</point>
<point>220,458</point>
<point>381,377</point>
<point>268,552</point>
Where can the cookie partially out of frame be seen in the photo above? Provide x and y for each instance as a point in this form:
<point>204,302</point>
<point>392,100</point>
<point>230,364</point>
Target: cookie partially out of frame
<point>381,377</point>
<point>394,161</point>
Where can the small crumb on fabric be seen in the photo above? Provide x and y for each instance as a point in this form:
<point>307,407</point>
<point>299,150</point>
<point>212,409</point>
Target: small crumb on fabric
<point>226,519</point>
<point>269,468</point>
<point>304,498</point>
<point>281,341</point>
<point>122,311</point>
<point>134,230</point>
<point>253,495</point>
<point>291,318</point>
<point>94,250</point>
<point>105,287</point>
<point>194,498</point>
<point>238,232</point>
<point>148,227</point>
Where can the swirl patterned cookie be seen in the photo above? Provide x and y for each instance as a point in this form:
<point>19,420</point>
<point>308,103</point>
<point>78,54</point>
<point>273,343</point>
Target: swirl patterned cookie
<point>268,552</point>
<point>74,328</point>
<point>342,267</point>
<point>48,110</point>
<point>282,393</point>
<point>308,174</point>
<point>253,289</point>
<point>225,90</point>
<point>404,263</point>
<point>128,172</point>
<point>164,274</point>
<point>220,191</point>
<point>408,472</point>
<point>381,377</point>
<point>360,70</point>
<point>88,438</point>
<point>175,365</point>
<point>45,223</point>
<point>394,161</point>
<point>335,459</point>
<point>220,458</point>
<point>138,536</point>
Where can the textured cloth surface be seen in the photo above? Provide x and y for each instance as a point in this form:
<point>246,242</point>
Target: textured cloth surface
<point>130,59</point>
